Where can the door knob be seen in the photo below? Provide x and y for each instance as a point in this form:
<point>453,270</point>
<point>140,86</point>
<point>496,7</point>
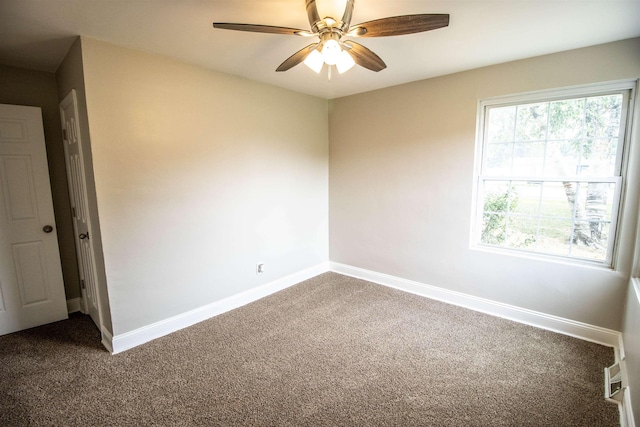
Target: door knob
<point>47,229</point>
<point>84,236</point>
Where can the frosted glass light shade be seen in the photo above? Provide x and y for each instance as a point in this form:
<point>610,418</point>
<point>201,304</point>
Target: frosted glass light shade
<point>314,60</point>
<point>331,52</point>
<point>332,8</point>
<point>345,62</point>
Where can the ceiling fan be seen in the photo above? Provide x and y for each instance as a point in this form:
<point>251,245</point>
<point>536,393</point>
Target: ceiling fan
<point>333,48</point>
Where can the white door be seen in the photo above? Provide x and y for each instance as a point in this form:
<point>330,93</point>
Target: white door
<point>31,285</point>
<point>79,205</point>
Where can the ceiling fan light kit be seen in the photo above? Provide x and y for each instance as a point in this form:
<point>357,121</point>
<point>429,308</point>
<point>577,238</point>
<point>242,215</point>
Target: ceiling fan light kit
<point>329,52</point>
<point>333,48</point>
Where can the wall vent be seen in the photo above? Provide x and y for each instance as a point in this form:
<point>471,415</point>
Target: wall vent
<point>613,388</point>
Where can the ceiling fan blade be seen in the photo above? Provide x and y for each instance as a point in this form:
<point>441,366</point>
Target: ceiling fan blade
<point>365,57</point>
<point>348,12</point>
<point>297,57</point>
<point>313,15</point>
<point>399,25</point>
<point>261,29</point>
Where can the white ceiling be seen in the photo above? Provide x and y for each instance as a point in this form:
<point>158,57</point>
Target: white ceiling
<point>36,34</point>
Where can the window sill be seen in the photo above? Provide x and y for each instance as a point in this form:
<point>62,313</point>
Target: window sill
<point>597,265</point>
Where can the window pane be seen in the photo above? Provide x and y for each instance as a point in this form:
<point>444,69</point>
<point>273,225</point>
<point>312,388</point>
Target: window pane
<point>496,204</point>
<point>562,158</point>
<point>554,236</point>
<point>494,229</point>
<point>496,196</point>
<point>502,123</point>
<point>554,201</point>
<point>532,122</point>
<point>498,159</point>
<point>595,201</point>
<point>602,116</point>
<point>584,243</point>
<point>525,198</point>
<point>521,232</point>
<point>566,119</point>
<point>599,157</point>
<point>528,158</point>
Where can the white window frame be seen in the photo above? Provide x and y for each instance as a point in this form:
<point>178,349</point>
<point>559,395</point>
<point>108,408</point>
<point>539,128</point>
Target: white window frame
<point>627,88</point>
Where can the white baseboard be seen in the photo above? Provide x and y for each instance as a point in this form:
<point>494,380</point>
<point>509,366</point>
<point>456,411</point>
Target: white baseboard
<point>561,325</point>
<point>74,305</point>
<point>107,340</point>
<point>626,413</point>
<point>128,340</point>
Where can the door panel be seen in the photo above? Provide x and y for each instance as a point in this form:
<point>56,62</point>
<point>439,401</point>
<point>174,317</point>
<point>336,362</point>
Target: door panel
<point>19,193</point>
<point>31,272</point>
<point>13,130</point>
<point>90,284</point>
<point>31,285</point>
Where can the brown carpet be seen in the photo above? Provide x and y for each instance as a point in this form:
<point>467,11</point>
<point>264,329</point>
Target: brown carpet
<point>331,351</point>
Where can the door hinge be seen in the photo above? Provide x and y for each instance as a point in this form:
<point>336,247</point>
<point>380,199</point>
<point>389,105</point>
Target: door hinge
<point>82,285</point>
<point>73,211</point>
<point>65,135</point>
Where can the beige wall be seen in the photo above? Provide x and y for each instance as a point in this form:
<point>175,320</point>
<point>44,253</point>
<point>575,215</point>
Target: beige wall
<point>37,88</point>
<point>199,176</point>
<point>70,76</point>
<point>401,180</point>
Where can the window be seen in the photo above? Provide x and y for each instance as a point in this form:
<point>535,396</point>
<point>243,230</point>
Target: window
<point>551,170</point>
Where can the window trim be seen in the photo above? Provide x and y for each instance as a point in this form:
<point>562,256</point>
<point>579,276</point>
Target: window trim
<point>627,88</point>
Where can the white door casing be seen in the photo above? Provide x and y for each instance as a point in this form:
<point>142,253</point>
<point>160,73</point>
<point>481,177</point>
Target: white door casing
<point>80,207</point>
<point>31,283</point>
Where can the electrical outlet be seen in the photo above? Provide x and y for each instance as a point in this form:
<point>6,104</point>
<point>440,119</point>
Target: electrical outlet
<point>260,268</point>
